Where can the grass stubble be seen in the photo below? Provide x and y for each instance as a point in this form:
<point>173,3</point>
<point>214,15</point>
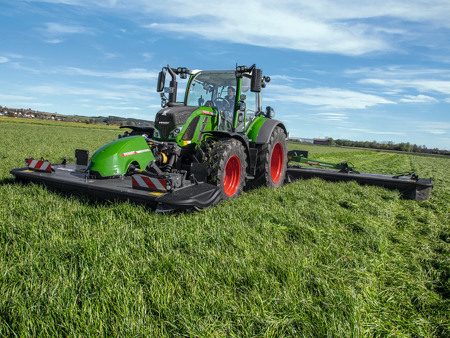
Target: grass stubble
<point>310,259</point>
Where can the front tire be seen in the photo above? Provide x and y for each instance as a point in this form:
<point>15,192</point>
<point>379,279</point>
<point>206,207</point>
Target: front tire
<point>228,162</point>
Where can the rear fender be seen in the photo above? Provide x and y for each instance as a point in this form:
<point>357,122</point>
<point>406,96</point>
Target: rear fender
<point>266,129</point>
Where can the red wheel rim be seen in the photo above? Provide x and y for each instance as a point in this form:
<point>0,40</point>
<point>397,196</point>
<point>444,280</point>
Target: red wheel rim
<point>232,175</point>
<point>276,162</point>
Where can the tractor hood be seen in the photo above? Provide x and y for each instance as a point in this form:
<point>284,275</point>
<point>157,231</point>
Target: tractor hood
<point>168,118</point>
<point>114,158</point>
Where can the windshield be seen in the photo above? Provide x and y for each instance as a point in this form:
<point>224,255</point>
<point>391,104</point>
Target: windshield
<point>213,89</point>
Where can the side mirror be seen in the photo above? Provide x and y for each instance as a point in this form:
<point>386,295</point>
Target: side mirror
<point>241,118</point>
<point>256,80</point>
<point>161,81</point>
<point>270,112</point>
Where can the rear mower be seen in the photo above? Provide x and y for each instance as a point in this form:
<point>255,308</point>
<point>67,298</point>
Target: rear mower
<point>200,151</point>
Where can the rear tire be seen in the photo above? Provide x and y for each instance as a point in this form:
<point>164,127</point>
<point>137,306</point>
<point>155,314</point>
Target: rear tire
<point>272,161</point>
<point>228,162</point>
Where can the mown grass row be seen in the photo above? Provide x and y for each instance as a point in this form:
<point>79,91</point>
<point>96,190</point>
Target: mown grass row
<point>310,259</point>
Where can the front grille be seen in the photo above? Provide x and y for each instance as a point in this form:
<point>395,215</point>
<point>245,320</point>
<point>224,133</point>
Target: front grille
<point>190,130</point>
<point>166,119</point>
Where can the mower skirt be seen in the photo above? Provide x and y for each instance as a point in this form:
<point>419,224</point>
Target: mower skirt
<point>72,178</point>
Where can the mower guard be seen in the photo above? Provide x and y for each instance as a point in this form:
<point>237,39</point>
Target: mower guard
<point>72,178</point>
<point>411,187</point>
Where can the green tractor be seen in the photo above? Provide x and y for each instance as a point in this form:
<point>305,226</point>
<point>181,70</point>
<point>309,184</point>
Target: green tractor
<point>202,150</point>
<point>218,134</point>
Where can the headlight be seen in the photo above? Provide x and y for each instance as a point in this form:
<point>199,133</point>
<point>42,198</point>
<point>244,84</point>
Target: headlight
<point>156,133</point>
<point>174,133</point>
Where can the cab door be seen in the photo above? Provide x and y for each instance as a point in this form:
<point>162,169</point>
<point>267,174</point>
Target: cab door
<point>244,118</point>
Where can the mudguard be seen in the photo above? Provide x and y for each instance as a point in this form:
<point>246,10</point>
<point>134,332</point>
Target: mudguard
<point>266,130</point>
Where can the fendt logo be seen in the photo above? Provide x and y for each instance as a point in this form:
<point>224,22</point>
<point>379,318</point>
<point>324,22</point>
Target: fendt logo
<point>134,152</point>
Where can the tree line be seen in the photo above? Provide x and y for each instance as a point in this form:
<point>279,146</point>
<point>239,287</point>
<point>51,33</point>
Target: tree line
<point>386,145</point>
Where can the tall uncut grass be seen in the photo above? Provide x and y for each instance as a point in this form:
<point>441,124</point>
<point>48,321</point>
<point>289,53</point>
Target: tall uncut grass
<point>310,259</point>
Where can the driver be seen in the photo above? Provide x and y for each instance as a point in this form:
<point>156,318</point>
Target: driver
<point>230,98</point>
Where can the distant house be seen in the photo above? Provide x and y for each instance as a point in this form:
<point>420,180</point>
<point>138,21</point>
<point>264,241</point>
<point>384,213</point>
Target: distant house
<point>434,151</point>
<point>322,141</point>
<point>307,140</point>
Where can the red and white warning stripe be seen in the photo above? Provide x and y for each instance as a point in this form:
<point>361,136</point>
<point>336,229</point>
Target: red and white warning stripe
<point>149,183</point>
<point>39,165</point>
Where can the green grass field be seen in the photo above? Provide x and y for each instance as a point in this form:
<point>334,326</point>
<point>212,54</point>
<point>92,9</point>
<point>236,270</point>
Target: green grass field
<point>310,259</point>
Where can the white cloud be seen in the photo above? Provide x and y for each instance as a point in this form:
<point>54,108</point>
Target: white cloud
<point>135,73</point>
<point>14,56</point>
<point>421,85</point>
<point>432,127</point>
<point>3,59</point>
<point>116,108</point>
<point>368,131</point>
<point>344,27</point>
<point>398,79</point>
<point>285,30</point>
<point>4,97</point>
<point>147,56</point>
<point>319,26</point>
<point>54,41</point>
<point>326,98</point>
<point>287,78</point>
<point>333,116</point>
<point>437,131</point>
<point>59,90</point>
<point>53,32</point>
<point>418,98</point>
<point>57,29</point>
<point>396,71</point>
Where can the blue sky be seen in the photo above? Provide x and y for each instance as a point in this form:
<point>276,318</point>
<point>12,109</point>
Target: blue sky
<point>359,70</point>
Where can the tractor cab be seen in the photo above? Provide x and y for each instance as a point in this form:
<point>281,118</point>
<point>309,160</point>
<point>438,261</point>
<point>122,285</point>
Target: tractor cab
<point>228,95</point>
<point>232,97</point>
